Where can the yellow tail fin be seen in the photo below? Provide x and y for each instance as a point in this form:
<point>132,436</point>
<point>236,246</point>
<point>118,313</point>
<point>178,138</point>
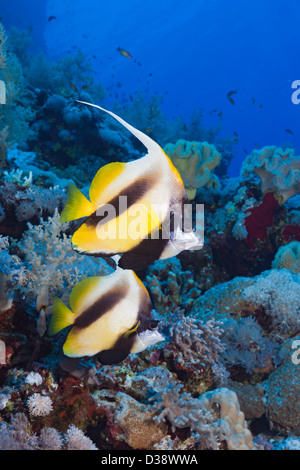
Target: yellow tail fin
<point>77,205</point>
<point>61,318</point>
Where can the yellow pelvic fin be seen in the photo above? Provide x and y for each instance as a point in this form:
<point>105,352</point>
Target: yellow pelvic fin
<point>81,292</point>
<point>77,205</point>
<point>61,318</point>
<point>102,179</point>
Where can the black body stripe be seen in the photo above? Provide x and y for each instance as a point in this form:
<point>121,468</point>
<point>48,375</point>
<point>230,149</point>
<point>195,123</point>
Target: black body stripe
<point>148,250</point>
<point>101,306</point>
<point>144,254</point>
<point>134,192</point>
<point>145,305</point>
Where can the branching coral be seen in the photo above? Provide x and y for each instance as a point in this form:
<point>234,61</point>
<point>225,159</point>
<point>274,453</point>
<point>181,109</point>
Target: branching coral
<point>195,162</point>
<point>194,353</point>
<point>198,414</point>
<point>278,170</point>
<point>170,287</point>
<point>50,259</point>
<point>197,341</point>
<point>23,202</point>
<point>18,435</point>
<point>46,266</point>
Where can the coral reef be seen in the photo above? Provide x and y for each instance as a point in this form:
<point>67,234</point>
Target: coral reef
<point>226,375</point>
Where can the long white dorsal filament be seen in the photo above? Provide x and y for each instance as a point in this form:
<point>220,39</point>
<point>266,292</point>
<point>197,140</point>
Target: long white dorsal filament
<point>150,144</point>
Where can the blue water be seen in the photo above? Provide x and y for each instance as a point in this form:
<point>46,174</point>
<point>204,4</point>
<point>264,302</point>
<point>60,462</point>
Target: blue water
<point>192,53</point>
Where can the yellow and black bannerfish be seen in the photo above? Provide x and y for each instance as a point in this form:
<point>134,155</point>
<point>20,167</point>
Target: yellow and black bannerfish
<point>109,316</point>
<point>129,203</point>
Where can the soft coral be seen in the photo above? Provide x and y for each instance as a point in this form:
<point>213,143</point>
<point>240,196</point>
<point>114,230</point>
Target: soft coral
<point>260,218</point>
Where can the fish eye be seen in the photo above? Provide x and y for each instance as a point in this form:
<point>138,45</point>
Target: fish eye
<point>153,325</point>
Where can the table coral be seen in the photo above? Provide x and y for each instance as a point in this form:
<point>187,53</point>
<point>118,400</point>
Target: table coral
<point>195,162</point>
<point>278,170</point>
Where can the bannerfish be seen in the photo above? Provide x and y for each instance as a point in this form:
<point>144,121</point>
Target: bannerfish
<point>135,209</point>
<point>110,317</point>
